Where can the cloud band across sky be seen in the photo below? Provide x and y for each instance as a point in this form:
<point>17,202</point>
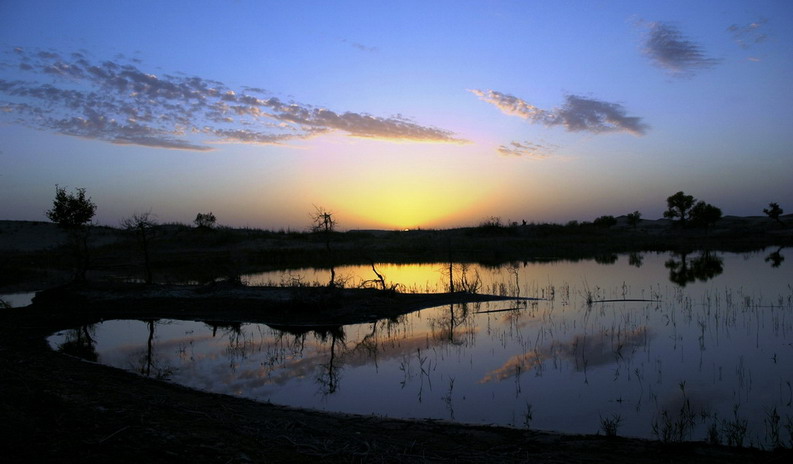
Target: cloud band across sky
<point>117,102</point>
<point>577,114</point>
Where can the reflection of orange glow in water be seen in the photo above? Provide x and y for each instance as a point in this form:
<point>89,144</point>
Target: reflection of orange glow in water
<point>424,277</point>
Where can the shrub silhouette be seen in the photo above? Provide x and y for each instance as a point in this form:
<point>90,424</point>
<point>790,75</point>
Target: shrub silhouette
<point>205,220</point>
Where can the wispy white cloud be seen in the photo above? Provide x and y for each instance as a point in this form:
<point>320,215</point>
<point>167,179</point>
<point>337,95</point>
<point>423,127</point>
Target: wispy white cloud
<point>528,150</point>
<point>115,101</point>
<point>576,114</point>
<point>666,46</point>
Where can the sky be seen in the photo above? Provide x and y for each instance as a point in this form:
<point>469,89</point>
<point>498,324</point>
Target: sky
<point>395,115</point>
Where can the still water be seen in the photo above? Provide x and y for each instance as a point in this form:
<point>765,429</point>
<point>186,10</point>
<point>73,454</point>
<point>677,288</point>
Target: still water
<point>658,345</point>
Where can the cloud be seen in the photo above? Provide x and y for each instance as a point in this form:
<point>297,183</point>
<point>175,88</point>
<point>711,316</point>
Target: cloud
<point>750,34</point>
<point>669,49</point>
<point>361,47</point>
<point>583,351</point>
<point>117,102</point>
<point>527,150</point>
<point>576,115</point>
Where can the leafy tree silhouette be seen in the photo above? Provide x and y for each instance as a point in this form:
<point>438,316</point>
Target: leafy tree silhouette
<point>679,206</point>
<point>704,215</point>
<point>205,220</point>
<point>774,211</point>
<point>634,218</point>
<point>73,212</point>
<point>605,221</point>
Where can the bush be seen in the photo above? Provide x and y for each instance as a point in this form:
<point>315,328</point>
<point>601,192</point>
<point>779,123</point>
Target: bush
<point>205,220</point>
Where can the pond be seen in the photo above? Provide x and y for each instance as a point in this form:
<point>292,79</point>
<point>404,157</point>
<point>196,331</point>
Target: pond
<point>17,300</point>
<point>655,346</point>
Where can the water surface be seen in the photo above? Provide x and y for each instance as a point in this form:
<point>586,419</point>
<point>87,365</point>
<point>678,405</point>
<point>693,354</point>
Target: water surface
<point>670,348</point>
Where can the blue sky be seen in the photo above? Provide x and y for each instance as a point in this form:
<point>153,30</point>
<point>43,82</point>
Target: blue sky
<point>395,114</point>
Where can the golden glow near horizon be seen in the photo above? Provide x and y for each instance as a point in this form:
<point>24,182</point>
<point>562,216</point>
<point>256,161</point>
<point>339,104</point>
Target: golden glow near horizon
<point>393,187</point>
<point>407,208</point>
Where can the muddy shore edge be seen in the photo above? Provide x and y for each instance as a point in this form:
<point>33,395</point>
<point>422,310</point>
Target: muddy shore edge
<point>59,408</point>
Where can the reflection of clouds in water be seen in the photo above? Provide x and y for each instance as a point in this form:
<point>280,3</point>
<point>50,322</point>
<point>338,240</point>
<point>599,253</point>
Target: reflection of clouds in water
<point>584,350</point>
<point>166,345</point>
<point>274,361</point>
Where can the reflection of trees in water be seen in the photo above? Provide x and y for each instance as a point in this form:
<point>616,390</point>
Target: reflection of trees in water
<point>385,338</point>
<point>447,329</point>
<point>330,375</point>
<point>775,258</point>
<point>330,370</point>
<point>684,271</point>
<point>147,362</point>
<point>80,343</point>
<point>239,343</point>
<point>606,259</point>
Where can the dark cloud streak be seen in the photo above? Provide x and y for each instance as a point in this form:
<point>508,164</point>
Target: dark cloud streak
<point>669,49</point>
<point>578,114</point>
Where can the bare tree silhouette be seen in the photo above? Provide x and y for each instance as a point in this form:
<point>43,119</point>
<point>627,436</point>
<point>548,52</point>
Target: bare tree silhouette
<point>323,223</point>
<point>143,225</point>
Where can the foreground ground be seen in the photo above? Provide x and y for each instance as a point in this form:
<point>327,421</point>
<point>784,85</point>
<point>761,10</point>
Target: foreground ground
<point>54,407</point>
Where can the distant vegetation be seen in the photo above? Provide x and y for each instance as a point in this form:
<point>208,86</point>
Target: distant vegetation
<point>205,220</point>
<point>204,251</point>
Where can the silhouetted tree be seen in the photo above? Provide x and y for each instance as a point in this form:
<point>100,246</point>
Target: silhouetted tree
<point>634,218</point>
<point>605,221</point>
<point>774,211</point>
<point>73,212</point>
<point>323,223</point>
<point>143,225</point>
<point>205,220</point>
<point>704,215</point>
<point>679,206</point>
